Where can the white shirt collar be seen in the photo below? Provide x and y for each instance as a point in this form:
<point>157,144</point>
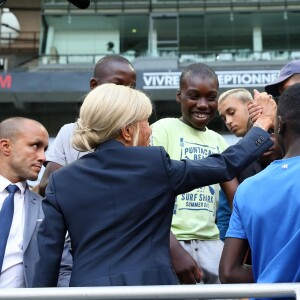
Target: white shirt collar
<point>4,182</point>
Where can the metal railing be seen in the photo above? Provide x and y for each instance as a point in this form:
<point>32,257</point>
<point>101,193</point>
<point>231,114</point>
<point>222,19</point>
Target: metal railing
<point>290,290</point>
<point>25,40</point>
<point>152,5</point>
<point>183,57</point>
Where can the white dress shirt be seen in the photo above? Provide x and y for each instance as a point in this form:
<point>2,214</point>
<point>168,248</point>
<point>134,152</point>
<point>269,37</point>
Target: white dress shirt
<point>12,273</point>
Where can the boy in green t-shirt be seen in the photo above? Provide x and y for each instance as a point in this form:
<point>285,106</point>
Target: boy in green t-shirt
<point>194,214</point>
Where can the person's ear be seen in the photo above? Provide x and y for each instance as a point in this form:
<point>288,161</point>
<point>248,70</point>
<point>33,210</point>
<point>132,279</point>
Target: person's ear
<point>178,96</point>
<point>281,125</point>
<point>5,146</point>
<point>93,83</point>
<point>127,134</point>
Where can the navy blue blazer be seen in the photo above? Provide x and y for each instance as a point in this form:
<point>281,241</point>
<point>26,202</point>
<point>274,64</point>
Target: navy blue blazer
<point>117,203</point>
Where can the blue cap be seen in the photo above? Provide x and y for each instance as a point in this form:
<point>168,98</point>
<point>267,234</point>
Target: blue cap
<point>286,72</point>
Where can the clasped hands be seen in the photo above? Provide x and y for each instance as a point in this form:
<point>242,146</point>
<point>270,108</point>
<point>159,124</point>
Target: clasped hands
<point>262,110</point>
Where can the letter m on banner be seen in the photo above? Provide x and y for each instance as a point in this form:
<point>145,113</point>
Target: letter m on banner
<point>5,81</point>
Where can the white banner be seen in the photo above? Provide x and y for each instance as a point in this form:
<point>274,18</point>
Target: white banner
<point>227,79</point>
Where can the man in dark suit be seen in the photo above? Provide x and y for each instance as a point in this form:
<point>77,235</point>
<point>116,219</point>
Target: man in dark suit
<point>22,152</point>
<point>117,201</point>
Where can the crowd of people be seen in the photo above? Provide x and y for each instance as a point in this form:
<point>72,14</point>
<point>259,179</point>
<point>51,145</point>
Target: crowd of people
<point>126,203</point>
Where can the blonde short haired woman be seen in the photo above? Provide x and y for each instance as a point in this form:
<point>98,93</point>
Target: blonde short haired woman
<point>109,112</point>
<point>117,201</point>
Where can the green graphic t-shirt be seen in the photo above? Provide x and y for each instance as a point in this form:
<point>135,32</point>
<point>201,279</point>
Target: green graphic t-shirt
<point>194,212</point>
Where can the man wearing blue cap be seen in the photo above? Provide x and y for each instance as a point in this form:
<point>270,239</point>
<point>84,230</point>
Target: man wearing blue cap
<point>289,75</point>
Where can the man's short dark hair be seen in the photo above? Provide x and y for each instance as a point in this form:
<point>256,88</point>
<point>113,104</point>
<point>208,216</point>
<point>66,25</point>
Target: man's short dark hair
<point>289,106</point>
<point>198,69</point>
<point>107,60</point>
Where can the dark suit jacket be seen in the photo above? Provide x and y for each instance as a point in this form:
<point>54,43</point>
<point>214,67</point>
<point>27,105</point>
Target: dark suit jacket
<point>117,205</point>
<point>251,170</point>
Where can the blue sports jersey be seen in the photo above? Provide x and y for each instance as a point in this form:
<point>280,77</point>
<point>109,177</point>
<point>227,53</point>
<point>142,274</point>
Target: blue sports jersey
<point>266,213</point>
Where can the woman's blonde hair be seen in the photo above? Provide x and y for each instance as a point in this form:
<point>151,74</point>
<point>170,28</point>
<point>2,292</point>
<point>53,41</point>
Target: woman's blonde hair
<point>107,109</point>
<point>241,94</point>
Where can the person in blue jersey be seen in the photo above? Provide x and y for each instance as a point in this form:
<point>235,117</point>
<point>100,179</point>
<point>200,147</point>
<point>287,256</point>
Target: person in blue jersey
<point>266,210</point>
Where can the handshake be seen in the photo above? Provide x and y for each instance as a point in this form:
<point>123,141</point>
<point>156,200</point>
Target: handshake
<point>262,110</point>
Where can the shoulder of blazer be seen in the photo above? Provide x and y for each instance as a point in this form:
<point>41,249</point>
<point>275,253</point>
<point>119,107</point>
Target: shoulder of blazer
<point>152,150</point>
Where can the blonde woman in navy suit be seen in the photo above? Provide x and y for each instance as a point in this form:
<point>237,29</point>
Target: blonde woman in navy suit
<point>117,201</point>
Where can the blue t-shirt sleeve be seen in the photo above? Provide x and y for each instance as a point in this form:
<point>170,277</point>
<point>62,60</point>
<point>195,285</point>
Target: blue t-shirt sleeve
<point>223,215</point>
<point>236,227</point>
